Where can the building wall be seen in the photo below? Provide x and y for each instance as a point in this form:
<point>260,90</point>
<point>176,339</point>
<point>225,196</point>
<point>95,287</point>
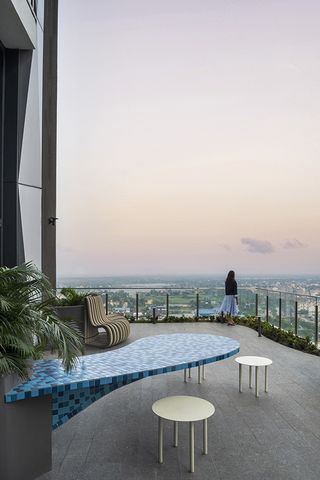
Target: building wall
<point>22,60</point>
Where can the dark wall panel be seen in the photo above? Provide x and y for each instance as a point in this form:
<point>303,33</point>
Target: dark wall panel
<point>10,158</point>
<point>17,74</point>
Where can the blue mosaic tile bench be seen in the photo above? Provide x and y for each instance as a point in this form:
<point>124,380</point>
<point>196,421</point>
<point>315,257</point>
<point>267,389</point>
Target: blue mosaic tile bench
<point>99,374</point>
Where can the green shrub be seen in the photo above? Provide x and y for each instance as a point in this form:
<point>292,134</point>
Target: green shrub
<point>70,297</point>
<point>172,319</point>
<point>28,322</point>
<point>286,338</point>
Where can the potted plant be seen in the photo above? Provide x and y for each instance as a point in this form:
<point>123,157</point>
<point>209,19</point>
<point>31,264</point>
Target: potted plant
<point>28,322</point>
<point>70,306</point>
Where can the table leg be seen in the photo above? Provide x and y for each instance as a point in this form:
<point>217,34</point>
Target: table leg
<point>266,371</point>
<point>205,436</point>
<point>199,374</point>
<point>191,439</point>
<point>203,374</point>
<point>175,434</point>
<point>240,377</point>
<point>257,382</point>
<point>185,375</point>
<point>160,439</point>
<point>189,372</point>
<point>250,377</point>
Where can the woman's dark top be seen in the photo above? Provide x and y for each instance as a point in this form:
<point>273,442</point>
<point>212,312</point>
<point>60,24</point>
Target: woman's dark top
<point>231,287</point>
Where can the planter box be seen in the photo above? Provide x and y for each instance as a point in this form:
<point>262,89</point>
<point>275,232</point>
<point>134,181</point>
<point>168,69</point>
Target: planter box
<point>77,313</point>
<point>25,434</point>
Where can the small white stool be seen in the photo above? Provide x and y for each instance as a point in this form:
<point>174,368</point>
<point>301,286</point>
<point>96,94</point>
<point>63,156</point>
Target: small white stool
<point>254,362</point>
<point>183,409</point>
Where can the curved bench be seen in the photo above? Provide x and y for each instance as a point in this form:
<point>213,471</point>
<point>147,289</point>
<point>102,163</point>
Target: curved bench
<point>98,374</point>
<point>116,326</point>
<point>51,392</point>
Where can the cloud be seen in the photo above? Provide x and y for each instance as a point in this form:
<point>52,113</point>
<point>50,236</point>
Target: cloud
<point>225,246</point>
<point>257,246</point>
<point>294,67</point>
<point>294,243</point>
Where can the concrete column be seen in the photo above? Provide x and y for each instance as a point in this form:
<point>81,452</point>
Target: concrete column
<point>49,139</point>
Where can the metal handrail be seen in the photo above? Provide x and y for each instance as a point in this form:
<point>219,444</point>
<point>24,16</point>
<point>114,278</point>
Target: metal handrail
<point>271,290</point>
<point>143,288</point>
<point>125,287</point>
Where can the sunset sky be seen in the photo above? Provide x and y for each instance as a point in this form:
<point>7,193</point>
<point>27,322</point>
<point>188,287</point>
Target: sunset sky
<point>188,136</point>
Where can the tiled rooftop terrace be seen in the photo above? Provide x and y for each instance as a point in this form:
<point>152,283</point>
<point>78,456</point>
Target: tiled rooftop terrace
<point>276,436</point>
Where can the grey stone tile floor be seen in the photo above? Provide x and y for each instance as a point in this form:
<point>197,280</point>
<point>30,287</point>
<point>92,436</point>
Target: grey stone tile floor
<point>273,437</point>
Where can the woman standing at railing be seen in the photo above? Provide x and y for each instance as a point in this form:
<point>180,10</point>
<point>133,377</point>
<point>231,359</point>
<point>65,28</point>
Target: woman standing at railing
<point>230,302</point>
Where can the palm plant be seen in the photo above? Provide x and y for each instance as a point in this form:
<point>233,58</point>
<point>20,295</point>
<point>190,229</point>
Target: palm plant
<point>28,322</point>
<point>70,297</point>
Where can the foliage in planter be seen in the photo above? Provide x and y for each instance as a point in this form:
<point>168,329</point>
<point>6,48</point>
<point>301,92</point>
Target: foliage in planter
<point>175,319</point>
<point>281,336</point>
<point>28,322</point>
<point>172,319</point>
<point>70,297</point>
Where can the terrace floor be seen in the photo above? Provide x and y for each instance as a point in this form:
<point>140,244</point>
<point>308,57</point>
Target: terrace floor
<point>275,436</point>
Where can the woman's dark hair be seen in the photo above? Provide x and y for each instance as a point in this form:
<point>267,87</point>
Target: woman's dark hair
<point>230,276</point>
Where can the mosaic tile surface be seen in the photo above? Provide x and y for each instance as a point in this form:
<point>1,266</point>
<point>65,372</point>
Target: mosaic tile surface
<point>99,374</point>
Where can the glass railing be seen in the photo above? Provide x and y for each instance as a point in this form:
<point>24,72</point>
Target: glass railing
<point>140,303</point>
<point>288,311</point>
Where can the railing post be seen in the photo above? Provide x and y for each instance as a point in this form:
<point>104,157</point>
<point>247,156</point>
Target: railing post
<point>259,326</point>
<point>257,304</point>
<point>137,306</point>
<point>316,326</point>
<point>154,315</point>
<point>267,308</point>
<point>296,317</point>
<point>280,312</point>
<point>197,300</point>
<point>107,303</point>
<point>167,306</point>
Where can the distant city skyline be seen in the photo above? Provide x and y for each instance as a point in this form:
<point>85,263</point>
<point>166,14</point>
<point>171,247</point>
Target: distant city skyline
<point>188,137</point>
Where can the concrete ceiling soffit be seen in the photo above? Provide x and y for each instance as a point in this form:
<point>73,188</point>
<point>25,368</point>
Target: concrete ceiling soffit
<point>18,27</point>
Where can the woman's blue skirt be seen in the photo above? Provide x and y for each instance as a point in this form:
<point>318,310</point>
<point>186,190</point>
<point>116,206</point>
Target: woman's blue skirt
<point>229,306</point>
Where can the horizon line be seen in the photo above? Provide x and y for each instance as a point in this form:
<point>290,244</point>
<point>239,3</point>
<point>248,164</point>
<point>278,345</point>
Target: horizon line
<point>184,275</point>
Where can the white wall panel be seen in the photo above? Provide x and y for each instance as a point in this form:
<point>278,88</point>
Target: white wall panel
<point>40,74</point>
<point>30,205</point>
<point>30,165</point>
<point>40,12</point>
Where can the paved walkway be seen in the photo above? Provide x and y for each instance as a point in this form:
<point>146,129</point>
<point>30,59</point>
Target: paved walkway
<point>274,437</point>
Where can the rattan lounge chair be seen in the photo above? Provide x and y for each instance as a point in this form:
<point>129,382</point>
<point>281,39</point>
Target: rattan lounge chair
<point>117,327</point>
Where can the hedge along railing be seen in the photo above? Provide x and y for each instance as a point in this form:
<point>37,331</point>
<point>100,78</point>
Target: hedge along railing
<point>291,312</point>
<point>287,338</point>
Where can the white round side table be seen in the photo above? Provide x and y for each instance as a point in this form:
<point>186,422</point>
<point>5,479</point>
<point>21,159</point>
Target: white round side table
<point>183,409</point>
<point>254,362</point>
